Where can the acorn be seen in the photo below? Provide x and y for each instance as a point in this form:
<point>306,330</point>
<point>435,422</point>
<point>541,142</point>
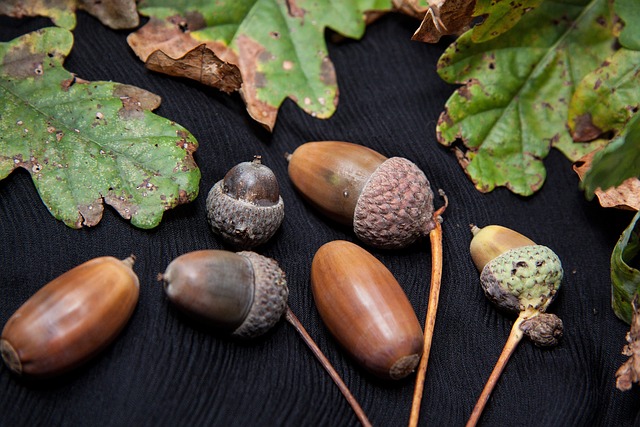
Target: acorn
<point>245,207</point>
<point>243,294</point>
<point>366,310</point>
<point>387,201</point>
<point>518,276</point>
<point>70,319</point>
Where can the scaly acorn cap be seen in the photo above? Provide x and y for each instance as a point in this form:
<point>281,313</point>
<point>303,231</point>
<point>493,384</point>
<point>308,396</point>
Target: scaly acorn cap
<point>545,329</point>
<point>395,206</point>
<point>269,299</point>
<point>243,224</point>
<point>527,276</point>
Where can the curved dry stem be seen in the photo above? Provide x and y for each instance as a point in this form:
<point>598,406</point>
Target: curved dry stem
<point>512,342</point>
<point>326,364</point>
<point>435,237</point>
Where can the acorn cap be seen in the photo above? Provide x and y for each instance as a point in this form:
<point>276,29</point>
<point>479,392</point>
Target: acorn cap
<point>243,224</point>
<point>528,276</point>
<point>395,206</point>
<point>545,329</point>
<point>270,296</point>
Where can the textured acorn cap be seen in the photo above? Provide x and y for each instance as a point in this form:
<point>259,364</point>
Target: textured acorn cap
<point>545,329</point>
<point>528,276</point>
<point>395,206</point>
<point>242,224</point>
<point>270,296</point>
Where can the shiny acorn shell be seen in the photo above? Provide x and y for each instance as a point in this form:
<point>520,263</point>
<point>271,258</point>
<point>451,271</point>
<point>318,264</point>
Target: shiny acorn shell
<point>366,310</point>
<point>70,319</point>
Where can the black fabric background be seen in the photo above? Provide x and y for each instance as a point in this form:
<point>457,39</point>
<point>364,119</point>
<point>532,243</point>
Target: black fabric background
<point>164,371</point>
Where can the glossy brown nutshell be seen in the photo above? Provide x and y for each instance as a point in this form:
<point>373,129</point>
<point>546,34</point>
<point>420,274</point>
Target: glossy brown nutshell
<point>70,319</point>
<point>366,310</point>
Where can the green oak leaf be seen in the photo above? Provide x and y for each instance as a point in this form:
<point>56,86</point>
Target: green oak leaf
<point>629,12</point>
<point>116,14</point>
<point>279,46</point>
<point>512,107</point>
<point>625,280</point>
<point>88,142</point>
<point>607,97</point>
<point>618,161</point>
<point>499,17</point>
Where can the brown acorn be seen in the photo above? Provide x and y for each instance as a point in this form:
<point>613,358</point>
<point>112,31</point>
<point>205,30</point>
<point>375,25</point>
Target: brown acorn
<point>387,201</point>
<point>245,207</point>
<point>70,319</point>
<point>241,293</point>
<point>366,310</point>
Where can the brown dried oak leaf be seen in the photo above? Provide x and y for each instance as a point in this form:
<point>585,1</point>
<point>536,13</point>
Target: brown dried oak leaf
<point>625,196</point>
<point>199,64</point>
<point>629,372</point>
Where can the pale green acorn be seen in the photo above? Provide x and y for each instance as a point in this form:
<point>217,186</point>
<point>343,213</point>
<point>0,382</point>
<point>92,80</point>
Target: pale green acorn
<point>518,276</point>
<point>528,276</point>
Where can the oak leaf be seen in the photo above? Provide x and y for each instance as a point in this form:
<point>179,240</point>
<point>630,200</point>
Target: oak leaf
<point>625,195</point>
<point>88,143</point>
<point>116,14</point>
<point>629,12</point>
<point>445,17</point>
<point>607,97</point>
<point>199,64</point>
<point>512,107</point>
<point>624,277</point>
<point>454,17</point>
<point>278,46</point>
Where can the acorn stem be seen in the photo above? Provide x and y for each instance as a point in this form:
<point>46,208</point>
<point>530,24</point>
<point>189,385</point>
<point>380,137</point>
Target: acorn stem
<point>326,364</point>
<point>435,237</point>
<point>512,342</point>
<point>129,261</point>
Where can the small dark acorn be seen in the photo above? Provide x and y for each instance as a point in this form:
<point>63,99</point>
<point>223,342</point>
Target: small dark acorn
<point>245,207</point>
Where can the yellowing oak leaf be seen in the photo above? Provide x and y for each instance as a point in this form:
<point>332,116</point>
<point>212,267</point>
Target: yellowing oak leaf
<point>88,143</point>
<point>116,14</point>
<point>278,46</point>
<point>516,89</point>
